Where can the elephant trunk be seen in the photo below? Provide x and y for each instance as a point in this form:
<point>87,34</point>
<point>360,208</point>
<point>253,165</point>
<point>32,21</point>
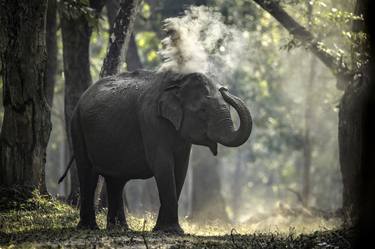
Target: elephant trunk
<point>236,138</point>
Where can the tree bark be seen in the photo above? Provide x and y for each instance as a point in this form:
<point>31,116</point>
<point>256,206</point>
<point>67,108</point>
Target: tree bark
<point>76,38</point>
<point>133,62</point>
<point>367,192</point>
<point>76,34</point>
<point>351,134</point>
<point>51,42</point>
<point>26,125</point>
<point>119,38</point>
<point>350,145</point>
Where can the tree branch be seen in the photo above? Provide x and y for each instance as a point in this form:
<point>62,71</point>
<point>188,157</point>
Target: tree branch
<point>341,71</point>
<point>120,35</point>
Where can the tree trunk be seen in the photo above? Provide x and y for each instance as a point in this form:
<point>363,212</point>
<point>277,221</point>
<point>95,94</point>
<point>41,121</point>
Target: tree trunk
<point>76,34</point>
<point>208,202</point>
<point>367,201</point>
<point>351,136</point>
<point>76,39</point>
<point>350,145</point>
<point>307,145</point>
<point>26,125</point>
<point>51,42</point>
<point>120,36</point>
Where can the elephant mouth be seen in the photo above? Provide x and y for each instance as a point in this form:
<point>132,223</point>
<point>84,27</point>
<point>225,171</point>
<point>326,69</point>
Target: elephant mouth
<point>213,147</point>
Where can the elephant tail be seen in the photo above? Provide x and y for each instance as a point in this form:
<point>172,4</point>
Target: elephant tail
<point>67,169</point>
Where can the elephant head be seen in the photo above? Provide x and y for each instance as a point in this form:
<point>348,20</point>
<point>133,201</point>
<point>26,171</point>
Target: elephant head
<point>199,111</point>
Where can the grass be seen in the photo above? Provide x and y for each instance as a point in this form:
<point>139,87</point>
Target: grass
<point>43,222</point>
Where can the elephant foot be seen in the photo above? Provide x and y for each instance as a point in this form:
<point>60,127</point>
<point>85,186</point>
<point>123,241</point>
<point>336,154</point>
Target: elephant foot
<point>174,229</point>
<point>87,225</point>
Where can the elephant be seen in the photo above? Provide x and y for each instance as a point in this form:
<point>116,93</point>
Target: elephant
<point>142,124</point>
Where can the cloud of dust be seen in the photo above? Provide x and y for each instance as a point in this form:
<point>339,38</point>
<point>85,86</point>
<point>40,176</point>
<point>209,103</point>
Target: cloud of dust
<point>199,41</point>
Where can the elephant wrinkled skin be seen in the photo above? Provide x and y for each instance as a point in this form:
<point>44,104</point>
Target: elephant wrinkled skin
<point>142,124</point>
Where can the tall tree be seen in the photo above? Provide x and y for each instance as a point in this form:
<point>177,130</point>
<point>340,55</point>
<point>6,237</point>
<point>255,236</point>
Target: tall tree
<point>76,33</point>
<point>133,61</point>
<point>367,200</point>
<point>120,36</point>
<point>307,144</point>
<point>354,86</point>
<point>351,117</point>
<point>26,125</point>
<point>51,70</point>
<point>51,41</point>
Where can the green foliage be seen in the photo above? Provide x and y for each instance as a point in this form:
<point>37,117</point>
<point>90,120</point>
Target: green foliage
<point>21,198</point>
<point>148,44</point>
<point>332,23</point>
<point>145,11</point>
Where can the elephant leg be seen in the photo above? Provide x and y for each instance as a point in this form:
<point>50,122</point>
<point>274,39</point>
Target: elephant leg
<point>121,213</point>
<point>87,181</point>
<point>168,213</point>
<point>86,175</point>
<point>116,215</point>
<point>182,163</point>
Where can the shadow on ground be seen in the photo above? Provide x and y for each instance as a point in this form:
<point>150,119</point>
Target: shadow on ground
<point>43,222</point>
<point>72,238</point>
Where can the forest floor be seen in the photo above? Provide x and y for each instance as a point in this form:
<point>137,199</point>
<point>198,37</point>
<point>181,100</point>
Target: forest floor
<point>44,222</point>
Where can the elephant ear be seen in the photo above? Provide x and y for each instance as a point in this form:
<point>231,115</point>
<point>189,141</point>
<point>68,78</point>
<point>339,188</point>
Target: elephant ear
<point>170,106</point>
